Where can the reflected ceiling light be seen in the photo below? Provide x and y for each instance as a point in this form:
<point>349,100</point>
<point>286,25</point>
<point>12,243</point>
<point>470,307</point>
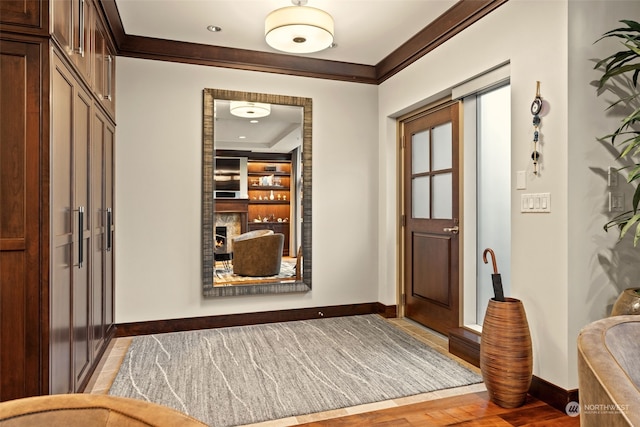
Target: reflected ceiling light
<point>250,109</point>
<point>299,29</point>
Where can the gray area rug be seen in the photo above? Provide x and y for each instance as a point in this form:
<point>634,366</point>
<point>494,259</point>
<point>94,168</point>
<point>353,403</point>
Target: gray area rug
<point>248,374</point>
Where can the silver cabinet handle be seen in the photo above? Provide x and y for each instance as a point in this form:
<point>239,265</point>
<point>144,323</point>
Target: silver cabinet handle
<point>109,76</point>
<point>80,236</point>
<point>81,42</point>
<point>108,231</point>
<point>452,230</point>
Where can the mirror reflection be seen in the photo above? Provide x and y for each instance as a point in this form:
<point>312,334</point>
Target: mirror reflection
<point>256,193</point>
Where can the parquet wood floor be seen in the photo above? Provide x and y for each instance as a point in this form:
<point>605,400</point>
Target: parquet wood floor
<point>467,410</point>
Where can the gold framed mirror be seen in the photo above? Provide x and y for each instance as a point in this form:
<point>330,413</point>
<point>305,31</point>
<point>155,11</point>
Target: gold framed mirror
<point>267,180</point>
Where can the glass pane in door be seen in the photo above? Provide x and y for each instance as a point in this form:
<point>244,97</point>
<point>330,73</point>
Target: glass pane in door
<point>420,152</point>
<point>442,152</point>
<point>420,195</point>
<point>442,196</point>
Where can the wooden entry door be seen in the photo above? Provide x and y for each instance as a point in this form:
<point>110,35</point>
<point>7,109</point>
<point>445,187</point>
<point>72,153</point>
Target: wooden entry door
<point>431,208</point>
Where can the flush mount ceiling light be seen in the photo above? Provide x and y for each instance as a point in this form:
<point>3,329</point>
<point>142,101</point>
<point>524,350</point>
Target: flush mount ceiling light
<point>299,29</point>
<point>249,109</point>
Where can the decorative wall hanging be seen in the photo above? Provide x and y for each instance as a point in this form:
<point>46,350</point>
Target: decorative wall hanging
<point>536,108</point>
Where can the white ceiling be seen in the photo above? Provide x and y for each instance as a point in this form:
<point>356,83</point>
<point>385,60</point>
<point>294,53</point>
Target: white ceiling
<point>366,31</point>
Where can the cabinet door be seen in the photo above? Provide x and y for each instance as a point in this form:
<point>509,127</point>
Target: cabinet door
<point>104,69</point>
<point>98,218</point>
<point>110,83</point>
<point>83,55</point>
<point>109,192</point>
<point>21,281</point>
<point>72,27</point>
<point>24,16</point>
<point>82,234</point>
<point>70,232</point>
<point>62,219</point>
<point>102,217</point>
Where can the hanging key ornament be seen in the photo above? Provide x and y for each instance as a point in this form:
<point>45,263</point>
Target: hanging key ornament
<point>536,107</point>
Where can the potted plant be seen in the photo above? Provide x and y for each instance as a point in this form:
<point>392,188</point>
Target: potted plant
<point>624,67</point>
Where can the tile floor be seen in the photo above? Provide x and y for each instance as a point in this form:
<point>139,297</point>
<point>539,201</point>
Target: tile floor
<point>110,363</point>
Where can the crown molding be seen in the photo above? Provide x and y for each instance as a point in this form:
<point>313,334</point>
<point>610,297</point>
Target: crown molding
<point>460,16</point>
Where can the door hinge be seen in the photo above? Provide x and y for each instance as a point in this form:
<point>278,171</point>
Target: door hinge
<point>403,299</point>
<point>403,143</point>
<point>403,220</point>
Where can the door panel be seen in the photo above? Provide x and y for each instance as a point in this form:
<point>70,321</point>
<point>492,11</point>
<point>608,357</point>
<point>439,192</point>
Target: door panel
<point>61,230</point>
<point>430,281</point>
<point>431,239</point>
<point>82,234</point>
<point>99,229</point>
<point>109,197</point>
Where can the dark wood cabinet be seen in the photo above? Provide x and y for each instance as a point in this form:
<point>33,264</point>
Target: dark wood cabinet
<point>23,303</point>
<point>82,138</point>
<point>81,34</point>
<point>71,237</point>
<point>56,201</point>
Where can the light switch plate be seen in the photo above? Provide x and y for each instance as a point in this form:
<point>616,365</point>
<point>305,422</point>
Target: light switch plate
<point>535,202</point>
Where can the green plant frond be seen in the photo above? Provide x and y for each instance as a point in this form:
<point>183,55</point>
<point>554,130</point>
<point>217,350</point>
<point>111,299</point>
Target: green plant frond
<point>630,144</point>
<point>619,221</point>
<point>633,174</point>
<point>621,132</point>
<point>625,64</point>
<point>617,65</point>
<point>628,149</point>
<point>636,199</point>
<point>635,49</point>
<point>633,25</point>
<point>619,70</point>
<point>626,99</point>
<point>634,219</point>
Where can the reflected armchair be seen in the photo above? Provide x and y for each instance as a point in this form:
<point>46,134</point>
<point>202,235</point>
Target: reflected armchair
<point>258,253</point>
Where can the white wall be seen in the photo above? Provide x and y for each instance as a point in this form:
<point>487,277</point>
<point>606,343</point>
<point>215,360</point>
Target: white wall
<point>158,178</point>
<point>599,269</point>
<point>558,277</point>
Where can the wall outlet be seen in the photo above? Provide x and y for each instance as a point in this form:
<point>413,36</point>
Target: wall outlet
<point>616,202</point>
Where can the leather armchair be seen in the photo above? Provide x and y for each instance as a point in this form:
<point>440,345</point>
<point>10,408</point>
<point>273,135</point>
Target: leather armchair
<point>89,410</point>
<point>258,253</point>
<point>609,372</point>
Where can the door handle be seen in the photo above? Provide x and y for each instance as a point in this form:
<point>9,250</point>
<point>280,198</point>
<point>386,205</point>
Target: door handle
<point>80,211</point>
<point>81,41</point>
<point>452,230</point>
<point>108,230</point>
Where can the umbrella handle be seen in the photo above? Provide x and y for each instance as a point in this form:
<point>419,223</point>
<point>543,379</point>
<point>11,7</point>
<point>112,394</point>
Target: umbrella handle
<point>493,259</point>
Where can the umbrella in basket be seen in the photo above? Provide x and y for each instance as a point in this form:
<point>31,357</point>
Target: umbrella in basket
<point>495,277</point>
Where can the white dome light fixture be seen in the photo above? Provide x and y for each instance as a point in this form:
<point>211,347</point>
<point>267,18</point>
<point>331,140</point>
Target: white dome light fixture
<point>299,29</point>
<point>249,109</point>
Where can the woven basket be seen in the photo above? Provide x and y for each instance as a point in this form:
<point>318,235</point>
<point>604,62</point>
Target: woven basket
<point>506,359</point>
